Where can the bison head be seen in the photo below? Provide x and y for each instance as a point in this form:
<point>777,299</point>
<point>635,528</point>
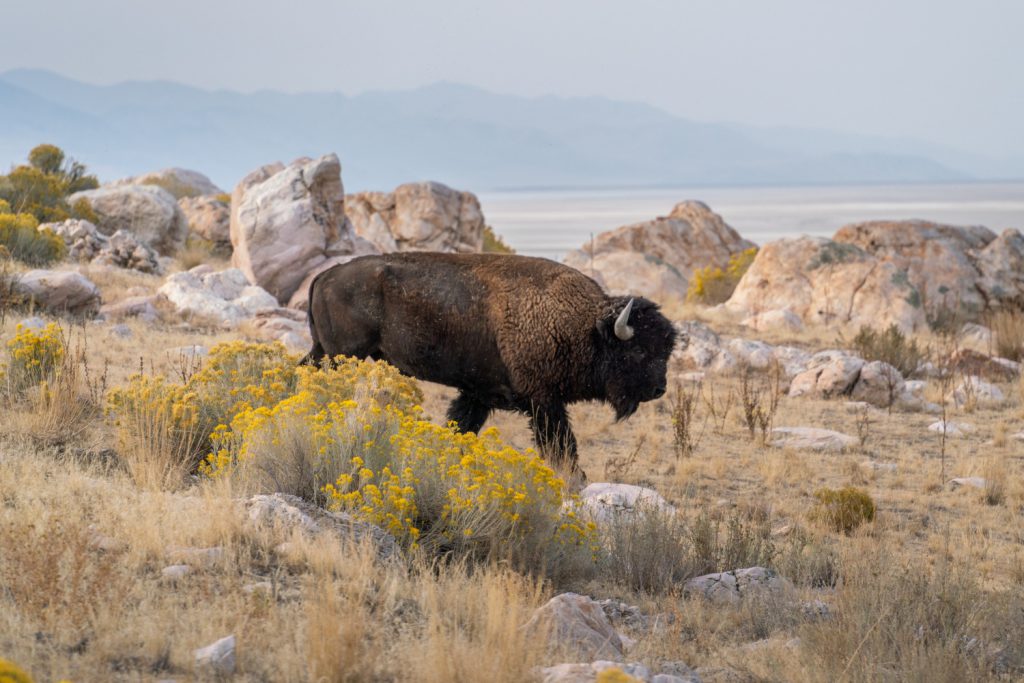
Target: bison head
<point>635,342</point>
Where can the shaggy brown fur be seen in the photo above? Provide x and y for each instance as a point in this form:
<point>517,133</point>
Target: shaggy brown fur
<point>510,332</point>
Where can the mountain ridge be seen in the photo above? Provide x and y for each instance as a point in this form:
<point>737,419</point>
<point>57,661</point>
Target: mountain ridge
<point>459,134</point>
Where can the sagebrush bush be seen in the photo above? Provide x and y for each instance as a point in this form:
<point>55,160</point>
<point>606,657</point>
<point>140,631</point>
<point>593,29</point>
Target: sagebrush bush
<point>23,240</point>
<point>33,357</point>
<point>712,285</point>
<point>843,510</point>
<point>889,346</point>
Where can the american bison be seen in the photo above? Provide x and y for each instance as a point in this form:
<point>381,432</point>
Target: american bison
<point>509,332</point>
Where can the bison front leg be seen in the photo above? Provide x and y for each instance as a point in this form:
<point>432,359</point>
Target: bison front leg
<point>553,435</point>
<point>469,413</point>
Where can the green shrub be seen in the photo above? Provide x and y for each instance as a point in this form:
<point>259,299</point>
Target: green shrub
<point>843,510</point>
<point>41,187</point>
<point>889,346</point>
<point>21,237</point>
<point>494,244</point>
<point>712,285</point>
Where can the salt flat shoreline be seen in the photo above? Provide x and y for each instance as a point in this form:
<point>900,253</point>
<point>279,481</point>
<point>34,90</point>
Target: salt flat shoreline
<point>550,223</point>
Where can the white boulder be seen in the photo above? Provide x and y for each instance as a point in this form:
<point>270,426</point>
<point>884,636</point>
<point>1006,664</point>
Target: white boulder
<point>59,291</point>
<point>149,213</point>
<point>225,297</point>
<point>657,258</point>
<point>287,221</point>
<point>427,216</point>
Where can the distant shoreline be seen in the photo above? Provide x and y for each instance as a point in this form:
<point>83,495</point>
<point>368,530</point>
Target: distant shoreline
<point>551,222</point>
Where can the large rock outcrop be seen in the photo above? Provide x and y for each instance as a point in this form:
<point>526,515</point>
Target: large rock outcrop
<point>209,218</point>
<point>180,182</point>
<point>657,258</point>
<point>148,212</point>
<point>59,291</point>
<point>966,269</point>
<point>425,216</point>
<point>86,243</point>
<point>223,297</point>
<point>828,282</point>
<point>288,220</point>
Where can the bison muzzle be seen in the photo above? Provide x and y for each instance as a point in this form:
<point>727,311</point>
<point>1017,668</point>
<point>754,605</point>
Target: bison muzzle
<point>509,332</point>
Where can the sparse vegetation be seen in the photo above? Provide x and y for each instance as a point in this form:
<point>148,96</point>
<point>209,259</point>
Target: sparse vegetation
<point>890,346</point>
<point>494,244</point>
<point>21,239</point>
<point>713,285</point>
<point>40,188</point>
<point>1007,327</point>
<point>844,509</point>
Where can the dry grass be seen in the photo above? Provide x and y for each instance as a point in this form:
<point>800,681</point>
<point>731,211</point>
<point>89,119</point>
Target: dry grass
<point>929,591</point>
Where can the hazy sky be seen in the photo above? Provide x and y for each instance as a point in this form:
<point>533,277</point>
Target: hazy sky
<point>949,71</point>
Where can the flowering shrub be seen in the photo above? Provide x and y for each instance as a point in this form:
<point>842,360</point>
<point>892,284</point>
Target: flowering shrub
<point>33,356</point>
<point>11,673</point>
<point>352,438</point>
<point>168,425</point>
<point>712,285</point>
<point>23,240</point>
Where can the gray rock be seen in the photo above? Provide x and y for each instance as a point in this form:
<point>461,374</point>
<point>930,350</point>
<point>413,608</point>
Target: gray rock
<point>812,439</point>
<point>283,511</point>
<point>426,216</point>
<point>224,296</point>
<point>578,624</point>
<point>287,221</point>
<point>179,182</point>
<point>974,389</point>
<point>218,658</point>
<point>148,212</point>
<point>604,502</point>
<point>209,218</point>
<point>972,482</point>
<point>140,307</point>
<point>733,586</point>
<point>60,291</point>
<point>175,572</point>
<point>878,384</point>
<point>951,428</point>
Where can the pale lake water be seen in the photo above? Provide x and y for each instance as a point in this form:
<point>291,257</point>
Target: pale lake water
<point>552,222</point>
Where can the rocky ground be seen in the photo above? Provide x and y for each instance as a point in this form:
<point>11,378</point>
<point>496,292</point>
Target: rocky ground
<point>716,566</point>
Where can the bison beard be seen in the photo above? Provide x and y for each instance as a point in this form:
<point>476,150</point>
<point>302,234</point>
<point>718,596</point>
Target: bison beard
<point>509,332</point>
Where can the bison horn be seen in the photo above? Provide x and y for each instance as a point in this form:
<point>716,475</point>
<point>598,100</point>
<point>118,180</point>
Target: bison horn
<point>622,329</point>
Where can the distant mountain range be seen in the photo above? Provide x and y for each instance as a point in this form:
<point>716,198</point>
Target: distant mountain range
<point>460,135</point>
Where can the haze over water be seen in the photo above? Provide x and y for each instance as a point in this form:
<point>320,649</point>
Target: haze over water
<point>551,222</point>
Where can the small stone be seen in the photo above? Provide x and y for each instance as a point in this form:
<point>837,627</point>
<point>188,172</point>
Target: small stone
<point>217,658</point>
<point>121,331</point>
<point>730,587</point>
<point>579,623</point>
<point>973,482</point>
<point>879,466</point>
<point>175,572</point>
<point>951,428</point>
<point>812,439</point>
<point>196,556</point>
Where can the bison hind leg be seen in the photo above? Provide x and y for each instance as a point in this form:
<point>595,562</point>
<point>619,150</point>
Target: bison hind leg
<point>469,413</point>
<point>315,355</point>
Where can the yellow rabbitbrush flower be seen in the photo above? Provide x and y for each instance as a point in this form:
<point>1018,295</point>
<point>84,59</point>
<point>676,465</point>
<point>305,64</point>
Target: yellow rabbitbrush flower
<point>33,356</point>
<point>351,437</point>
